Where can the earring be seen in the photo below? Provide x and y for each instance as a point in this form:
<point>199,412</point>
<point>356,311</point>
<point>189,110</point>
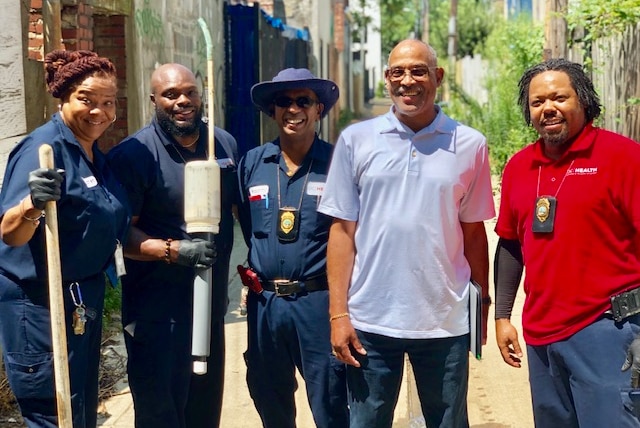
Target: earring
<point>114,119</point>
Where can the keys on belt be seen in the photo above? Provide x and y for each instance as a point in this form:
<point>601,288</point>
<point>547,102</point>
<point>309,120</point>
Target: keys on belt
<point>625,304</point>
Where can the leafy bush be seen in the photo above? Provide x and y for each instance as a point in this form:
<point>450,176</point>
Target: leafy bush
<point>112,306</point>
<point>509,50</point>
<point>345,119</point>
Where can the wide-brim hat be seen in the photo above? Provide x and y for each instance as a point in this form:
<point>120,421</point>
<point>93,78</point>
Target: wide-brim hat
<point>263,94</point>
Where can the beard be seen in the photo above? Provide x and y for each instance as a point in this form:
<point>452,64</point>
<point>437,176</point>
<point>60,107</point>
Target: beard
<point>556,139</point>
<point>166,122</point>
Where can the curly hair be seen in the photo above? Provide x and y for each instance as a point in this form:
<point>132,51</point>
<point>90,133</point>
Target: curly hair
<point>66,69</point>
<point>579,81</point>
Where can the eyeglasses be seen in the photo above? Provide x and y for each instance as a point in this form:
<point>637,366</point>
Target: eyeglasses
<point>302,102</point>
<point>419,74</point>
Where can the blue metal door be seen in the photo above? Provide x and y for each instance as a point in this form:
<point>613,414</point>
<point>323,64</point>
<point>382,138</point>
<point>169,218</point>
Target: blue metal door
<point>241,36</point>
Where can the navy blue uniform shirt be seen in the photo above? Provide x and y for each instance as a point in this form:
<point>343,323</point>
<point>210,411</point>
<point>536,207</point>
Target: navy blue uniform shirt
<point>92,211</point>
<point>150,164</point>
<point>258,172</point>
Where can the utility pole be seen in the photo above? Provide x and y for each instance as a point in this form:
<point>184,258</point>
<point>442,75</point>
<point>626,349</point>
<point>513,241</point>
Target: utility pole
<point>425,21</point>
<point>555,30</point>
<point>452,48</point>
<point>52,25</point>
<point>453,32</point>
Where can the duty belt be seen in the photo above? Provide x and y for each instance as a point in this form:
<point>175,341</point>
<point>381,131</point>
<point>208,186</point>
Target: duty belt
<point>285,287</point>
<point>625,304</point>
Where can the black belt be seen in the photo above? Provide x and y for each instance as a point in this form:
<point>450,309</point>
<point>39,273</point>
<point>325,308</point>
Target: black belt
<point>284,287</point>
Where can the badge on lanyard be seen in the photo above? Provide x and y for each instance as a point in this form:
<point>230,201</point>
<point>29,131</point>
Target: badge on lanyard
<point>544,214</point>
<point>289,224</point>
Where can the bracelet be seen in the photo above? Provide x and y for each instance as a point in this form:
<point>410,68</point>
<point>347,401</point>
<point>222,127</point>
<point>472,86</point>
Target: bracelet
<point>342,315</point>
<point>486,300</point>
<point>34,220</point>
<point>167,251</point>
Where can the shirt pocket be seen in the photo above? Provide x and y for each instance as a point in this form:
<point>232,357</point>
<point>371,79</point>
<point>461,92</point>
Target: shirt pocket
<point>261,215</point>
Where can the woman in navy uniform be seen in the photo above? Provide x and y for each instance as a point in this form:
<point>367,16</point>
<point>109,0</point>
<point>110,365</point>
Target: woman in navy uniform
<point>93,219</point>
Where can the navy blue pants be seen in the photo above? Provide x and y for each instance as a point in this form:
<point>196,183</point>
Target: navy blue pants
<point>159,371</point>
<point>441,370</point>
<point>286,333</point>
<point>577,382</point>
<point>25,335</point>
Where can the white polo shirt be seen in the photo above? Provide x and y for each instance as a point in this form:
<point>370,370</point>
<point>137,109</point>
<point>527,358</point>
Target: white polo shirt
<point>409,192</point>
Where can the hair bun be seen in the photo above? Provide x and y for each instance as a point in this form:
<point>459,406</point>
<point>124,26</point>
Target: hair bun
<point>64,68</point>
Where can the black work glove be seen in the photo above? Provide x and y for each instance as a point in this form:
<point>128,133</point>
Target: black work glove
<point>45,185</point>
<point>196,253</point>
<point>633,362</point>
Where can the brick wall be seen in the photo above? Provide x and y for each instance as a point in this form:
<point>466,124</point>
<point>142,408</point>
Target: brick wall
<point>82,30</point>
<point>109,41</point>
<point>36,34</point>
<point>77,24</point>
<point>76,28</point>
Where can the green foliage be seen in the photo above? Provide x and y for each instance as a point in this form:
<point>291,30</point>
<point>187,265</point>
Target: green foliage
<point>112,305</point>
<point>398,19</point>
<point>360,20</point>
<point>345,119</point>
<point>513,47</point>
<point>402,18</point>
<point>509,50</point>
<point>588,20</point>
<point>474,24</point>
<point>380,89</point>
<point>602,17</point>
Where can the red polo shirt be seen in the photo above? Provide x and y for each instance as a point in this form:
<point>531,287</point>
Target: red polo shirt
<point>593,251</point>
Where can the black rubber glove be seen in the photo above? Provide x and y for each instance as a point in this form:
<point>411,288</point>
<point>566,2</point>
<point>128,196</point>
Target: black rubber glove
<point>196,253</point>
<point>45,185</point>
<point>633,362</point>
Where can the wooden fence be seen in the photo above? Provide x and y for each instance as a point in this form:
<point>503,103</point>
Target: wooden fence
<point>616,77</point>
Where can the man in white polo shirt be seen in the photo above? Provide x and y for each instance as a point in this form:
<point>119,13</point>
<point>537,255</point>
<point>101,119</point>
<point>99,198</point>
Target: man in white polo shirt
<point>409,192</point>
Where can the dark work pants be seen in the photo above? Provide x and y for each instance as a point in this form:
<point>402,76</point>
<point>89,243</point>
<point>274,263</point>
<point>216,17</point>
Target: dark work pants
<point>25,335</point>
<point>577,382</point>
<point>440,368</point>
<point>285,333</point>
<point>159,371</point>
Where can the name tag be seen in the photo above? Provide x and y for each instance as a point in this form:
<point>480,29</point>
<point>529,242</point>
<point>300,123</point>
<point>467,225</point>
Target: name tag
<point>261,190</point>
<point>315,188</point>
<point>90,181</point>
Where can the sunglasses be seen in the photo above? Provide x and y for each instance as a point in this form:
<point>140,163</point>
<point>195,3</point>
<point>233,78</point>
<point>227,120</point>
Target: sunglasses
<point>302,102</point>
<point>419,74</point>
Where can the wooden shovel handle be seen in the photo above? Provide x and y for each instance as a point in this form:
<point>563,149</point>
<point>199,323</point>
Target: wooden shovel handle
<point>56,303</point>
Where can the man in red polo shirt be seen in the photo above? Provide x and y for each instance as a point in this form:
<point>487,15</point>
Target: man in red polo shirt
<point>570,213</point>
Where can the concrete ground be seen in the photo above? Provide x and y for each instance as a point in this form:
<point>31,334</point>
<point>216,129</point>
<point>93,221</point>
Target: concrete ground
<point>498,396</point>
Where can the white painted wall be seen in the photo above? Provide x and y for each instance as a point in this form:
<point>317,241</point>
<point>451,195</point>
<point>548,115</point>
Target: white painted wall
<point>12,107</point>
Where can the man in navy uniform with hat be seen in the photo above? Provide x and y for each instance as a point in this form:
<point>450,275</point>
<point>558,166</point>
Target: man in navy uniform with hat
<point>281,183</point>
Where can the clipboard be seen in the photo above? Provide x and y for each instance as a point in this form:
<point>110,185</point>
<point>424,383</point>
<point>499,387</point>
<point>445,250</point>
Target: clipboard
<point>475,319</point>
